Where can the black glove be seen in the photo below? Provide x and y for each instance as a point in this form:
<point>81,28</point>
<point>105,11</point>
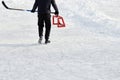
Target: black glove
<point>56,13</point>
<point>32,11</point>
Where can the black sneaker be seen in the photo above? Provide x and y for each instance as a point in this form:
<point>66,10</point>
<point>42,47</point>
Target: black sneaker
<point>47,41</point>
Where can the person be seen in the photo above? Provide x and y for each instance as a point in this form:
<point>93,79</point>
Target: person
<point>44,17</point>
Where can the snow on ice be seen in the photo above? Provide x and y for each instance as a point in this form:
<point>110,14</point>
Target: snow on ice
<point>86,49</point>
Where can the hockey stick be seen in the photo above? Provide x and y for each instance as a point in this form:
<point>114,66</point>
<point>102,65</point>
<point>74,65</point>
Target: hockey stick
<point>13,8</point>
<point>18,9</point>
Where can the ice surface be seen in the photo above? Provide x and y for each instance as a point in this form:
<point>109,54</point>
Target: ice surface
<point>87,49</point>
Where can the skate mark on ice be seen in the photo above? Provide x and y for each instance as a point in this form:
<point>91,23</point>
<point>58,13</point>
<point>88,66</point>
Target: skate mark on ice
<point>18,45</point>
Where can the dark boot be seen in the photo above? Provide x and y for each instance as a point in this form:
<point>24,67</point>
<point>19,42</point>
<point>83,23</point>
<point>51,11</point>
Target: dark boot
<point>47,41</point>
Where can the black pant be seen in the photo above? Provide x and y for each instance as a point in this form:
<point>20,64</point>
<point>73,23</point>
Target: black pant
<point>44,19</point>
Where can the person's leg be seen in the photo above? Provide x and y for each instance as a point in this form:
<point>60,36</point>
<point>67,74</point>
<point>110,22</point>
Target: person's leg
<point>40,25</point>
<point>47,26</point>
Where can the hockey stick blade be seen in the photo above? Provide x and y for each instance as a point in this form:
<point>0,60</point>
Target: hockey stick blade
<point>4,5</point>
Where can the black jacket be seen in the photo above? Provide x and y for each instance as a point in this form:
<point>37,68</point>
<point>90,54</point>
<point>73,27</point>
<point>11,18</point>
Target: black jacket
<point>44,6</point>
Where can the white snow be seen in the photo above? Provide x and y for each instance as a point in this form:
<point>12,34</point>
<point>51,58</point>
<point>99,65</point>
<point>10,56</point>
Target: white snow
<point>86,49</point>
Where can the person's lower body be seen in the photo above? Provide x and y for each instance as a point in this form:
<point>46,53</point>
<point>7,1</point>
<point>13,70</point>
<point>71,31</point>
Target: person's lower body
<point>44,19</point>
